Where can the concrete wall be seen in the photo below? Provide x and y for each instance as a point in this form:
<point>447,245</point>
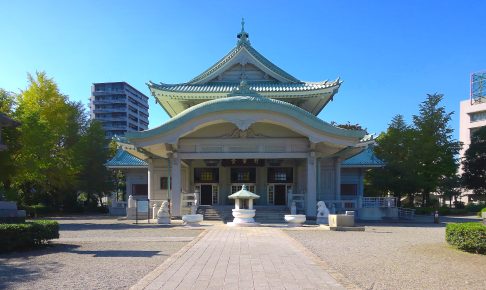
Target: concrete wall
<point>135,176</point>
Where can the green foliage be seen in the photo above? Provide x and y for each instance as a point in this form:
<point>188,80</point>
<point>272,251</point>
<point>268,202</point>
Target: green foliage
<point>92,150</point>
<point>10,137</point>
<point>469,237</point>
<point>435,147</point>
<point>55,153</point>
<point>395,148</point>
<point>419,158</point>
<point>349,126</point>
<point>474,163</point>
<point>424,210</point>
<point>36,210</point>
<point>450,187</point>
<point>50,129</point>
<point>27,235</point>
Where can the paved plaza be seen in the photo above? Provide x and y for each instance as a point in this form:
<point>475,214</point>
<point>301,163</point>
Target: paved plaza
<point>105,253</point>
<point>243,258</point>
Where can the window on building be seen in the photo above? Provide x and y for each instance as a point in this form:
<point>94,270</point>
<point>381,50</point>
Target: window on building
<point>243,175</point>
<point>164,182</point>
<point>139,189</point>
<point>206,175</point>
<point>235,188</point>
<point>349,189</point>
<point>478,116</point>
<point>280,175</point>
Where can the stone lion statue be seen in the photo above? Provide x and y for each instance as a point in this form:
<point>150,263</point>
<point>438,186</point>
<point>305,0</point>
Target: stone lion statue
<point>164,209</point>
<point>322,210</point>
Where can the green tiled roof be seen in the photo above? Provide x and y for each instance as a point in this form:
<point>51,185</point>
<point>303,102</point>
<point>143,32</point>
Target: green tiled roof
<point>365,158</point>
<point>258,87</point>
<point>123,159</point>
<point>243,194</point>
<point>247,103</point>
<point>245,45</point>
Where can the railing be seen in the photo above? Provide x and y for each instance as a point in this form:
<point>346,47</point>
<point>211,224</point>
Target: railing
<point>111,118</point>
<point>341,205</point>
<point>118,101</point>
<point>376,202</point>
<point>109,110</point>
<point>406,213</point>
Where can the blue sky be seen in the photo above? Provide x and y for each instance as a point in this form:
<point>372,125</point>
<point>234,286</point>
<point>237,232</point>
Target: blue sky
<point>389,54</point>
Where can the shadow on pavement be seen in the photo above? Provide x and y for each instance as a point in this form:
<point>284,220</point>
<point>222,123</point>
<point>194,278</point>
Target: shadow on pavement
<point>121,253</point>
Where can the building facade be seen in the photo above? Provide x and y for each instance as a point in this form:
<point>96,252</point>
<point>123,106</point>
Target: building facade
<point>119,107</point>
<point>472,116</point>
<point>246,121</point>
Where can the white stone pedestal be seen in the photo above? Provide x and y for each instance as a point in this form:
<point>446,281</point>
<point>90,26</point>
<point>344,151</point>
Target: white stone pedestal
<point>163,219</point>
<point>192,220</point>
<point>243,218</point>
<point>295,220</point>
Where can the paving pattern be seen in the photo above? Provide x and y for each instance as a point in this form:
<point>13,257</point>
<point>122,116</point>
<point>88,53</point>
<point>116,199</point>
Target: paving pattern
<point>241,258</point>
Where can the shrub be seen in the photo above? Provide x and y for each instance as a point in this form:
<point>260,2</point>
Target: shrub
<point>471,207</point>
<point>424,210</point>
<point>444,210</point>
<point>469,237</point>
<point>458,204</point>
<point>39,209</point>
<point>27,235</point>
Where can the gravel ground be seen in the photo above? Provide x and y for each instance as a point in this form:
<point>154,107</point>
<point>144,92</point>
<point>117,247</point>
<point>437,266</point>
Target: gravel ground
<point>94,253</point>
<point>397,256</point>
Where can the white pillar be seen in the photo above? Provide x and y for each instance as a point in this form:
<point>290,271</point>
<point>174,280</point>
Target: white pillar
<point>175,193</point>
<point>150,184</point>
<point>337,163</point>
<point>250,204</point>
<point>311,198</point>
<point>237,204</point>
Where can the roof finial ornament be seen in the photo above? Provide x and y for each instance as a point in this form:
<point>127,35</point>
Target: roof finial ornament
<point>243,35</point>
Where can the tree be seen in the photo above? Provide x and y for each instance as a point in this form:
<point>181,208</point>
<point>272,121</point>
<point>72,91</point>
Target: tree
<point>349,126</point>
<point>50,128</point>
<point>92,150</point>
<point>435,149</point>
<point>10,137</point>
<point>474,163</point>
<point>395,148</point>
<point>450,188</point>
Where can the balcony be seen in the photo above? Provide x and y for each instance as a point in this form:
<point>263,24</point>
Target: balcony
<point>110,101</point>
<point>110,110</point>
<point>107,92</point>
<point>115,127</point>
<point>109,119</point>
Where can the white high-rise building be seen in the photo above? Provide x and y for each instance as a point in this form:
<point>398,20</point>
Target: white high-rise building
<point>119,107</point>
<point>472,115</point>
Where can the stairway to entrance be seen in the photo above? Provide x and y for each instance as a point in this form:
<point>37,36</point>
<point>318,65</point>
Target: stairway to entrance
<point>210,213</point>
<point>271,214</point>
<point>264,214</point>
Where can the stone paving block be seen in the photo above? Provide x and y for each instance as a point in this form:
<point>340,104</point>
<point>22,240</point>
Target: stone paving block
<point>244,258</point>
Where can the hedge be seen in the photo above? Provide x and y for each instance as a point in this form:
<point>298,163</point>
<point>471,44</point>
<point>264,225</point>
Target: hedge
<point>469,237</point>
<point>27,235</point>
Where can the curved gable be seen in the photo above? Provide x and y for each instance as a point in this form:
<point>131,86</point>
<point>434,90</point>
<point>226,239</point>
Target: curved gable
<point>243,111</point>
